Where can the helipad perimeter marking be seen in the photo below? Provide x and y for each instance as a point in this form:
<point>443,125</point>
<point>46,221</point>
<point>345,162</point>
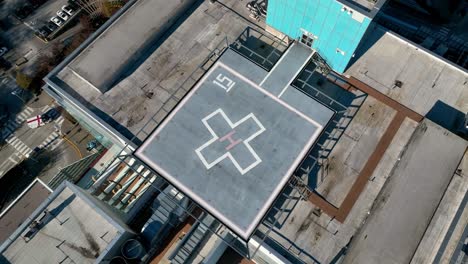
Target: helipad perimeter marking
<point>274,97</point>
<point>276,65</point>
<point>243,233</point>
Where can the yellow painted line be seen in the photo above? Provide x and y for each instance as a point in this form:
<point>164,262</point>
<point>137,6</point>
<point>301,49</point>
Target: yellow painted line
<point>73,145</point>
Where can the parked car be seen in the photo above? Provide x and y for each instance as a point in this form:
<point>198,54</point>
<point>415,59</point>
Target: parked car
<point>74,4</point>
<point>51,26</point>
<point>57,21</point>
<point>62,15</point>
<point>50,115</point>
<point>43,31</point>
<point>3,50</point>
<point>91,145</point>
<point>20,61</point>
<point>68,9</point>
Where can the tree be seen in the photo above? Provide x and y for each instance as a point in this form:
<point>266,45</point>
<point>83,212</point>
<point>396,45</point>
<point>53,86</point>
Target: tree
<point>110,7</point>
<point>23,80</point>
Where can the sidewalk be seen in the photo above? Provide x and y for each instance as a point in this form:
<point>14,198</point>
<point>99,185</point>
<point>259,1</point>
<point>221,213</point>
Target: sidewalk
<point>40,101</point>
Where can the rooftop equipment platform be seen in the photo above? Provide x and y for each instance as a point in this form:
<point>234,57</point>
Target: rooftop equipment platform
<point>232,143</point>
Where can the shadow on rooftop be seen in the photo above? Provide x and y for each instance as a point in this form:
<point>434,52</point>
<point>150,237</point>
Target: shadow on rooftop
<point>449,118</point>
<point>260,48</point>
<point>3,260</point>
<point>370,38</point>
<point>57,210</point>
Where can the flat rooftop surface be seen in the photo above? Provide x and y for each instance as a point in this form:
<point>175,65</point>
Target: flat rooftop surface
<point>124,39</point>
<point>148,79</point>
<point>406,204</point>
<point>231,145</point>
<point>426,79</point>
<point>76,230</point>
<point>22,208</point>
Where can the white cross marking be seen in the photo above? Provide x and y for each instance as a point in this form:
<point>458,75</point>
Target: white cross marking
<point>228,154</point>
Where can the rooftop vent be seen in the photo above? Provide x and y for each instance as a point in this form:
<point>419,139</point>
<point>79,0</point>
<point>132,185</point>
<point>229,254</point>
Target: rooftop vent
<point>398,83</point>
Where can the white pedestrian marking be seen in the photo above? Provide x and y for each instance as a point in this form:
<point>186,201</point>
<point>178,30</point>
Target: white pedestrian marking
<point>16,143</point>
<point>12,160</point>
<point>7,165</point>
<point>13,124</point>
<point>46,108</point>
<point>21,148</point>
<point>59,120</point>
<point>52,141</point>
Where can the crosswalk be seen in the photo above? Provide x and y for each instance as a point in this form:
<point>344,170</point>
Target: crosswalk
<point>22,150</point>
<point>9,163</point>
<point>13,124</point>
<point>52,141</point>
<point>19,145</point>
<point>59,121</point>
<point>46,108</point>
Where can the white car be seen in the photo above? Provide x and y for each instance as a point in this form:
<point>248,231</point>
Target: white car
<point>3,50</point>
<point>67,9</point>
<point>62,15</point>
<point>56,21</point>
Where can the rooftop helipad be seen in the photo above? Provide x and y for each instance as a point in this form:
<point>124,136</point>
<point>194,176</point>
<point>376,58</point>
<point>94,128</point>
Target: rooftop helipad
<point>231,145</point>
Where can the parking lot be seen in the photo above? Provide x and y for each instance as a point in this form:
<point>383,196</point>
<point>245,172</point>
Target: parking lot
<point>19,35</point>
<point>52,18</point>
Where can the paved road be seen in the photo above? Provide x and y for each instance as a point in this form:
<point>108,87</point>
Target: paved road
<point>20,36</point>
<point>21,140</point>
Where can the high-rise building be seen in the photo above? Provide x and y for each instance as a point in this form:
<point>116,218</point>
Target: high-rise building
<point>333,28</point>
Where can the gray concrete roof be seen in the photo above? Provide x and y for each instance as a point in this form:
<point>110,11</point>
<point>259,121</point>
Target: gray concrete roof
<point>197,149</point>
<point>107,57</point>
<point>404,208</point>
<point>22,208</point>
<point>76,229</point>
<point>151,80</point>
<point>425,77</point>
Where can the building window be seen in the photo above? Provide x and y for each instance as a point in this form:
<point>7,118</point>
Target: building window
<point>307,39</point>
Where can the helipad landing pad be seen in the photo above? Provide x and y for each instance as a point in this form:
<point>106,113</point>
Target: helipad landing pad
<point>231,146</point>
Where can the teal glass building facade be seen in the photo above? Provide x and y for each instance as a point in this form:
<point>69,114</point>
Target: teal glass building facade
<point>336,29</point>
